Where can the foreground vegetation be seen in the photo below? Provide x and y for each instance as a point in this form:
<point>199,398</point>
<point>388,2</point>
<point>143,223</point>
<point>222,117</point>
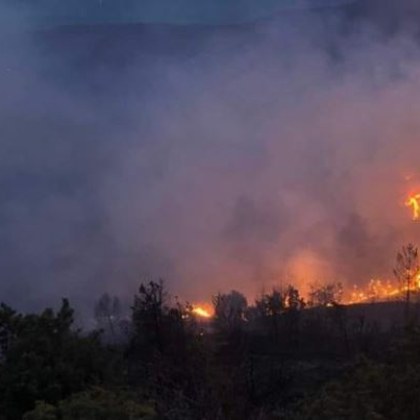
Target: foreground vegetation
<point>279,359</point>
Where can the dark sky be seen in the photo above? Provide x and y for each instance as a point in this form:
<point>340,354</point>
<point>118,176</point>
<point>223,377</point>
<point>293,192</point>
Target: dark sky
<point>50,12</point>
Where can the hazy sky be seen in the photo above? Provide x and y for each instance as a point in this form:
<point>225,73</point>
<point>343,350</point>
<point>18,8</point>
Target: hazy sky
<point>217,158</point>
<point>50,12</point>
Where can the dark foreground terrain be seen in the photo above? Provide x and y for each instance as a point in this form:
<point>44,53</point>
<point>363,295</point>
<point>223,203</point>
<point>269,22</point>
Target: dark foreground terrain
<point>282,358</point>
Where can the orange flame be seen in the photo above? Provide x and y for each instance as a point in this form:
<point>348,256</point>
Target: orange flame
<point>202,312</point>
<point>381,291</point>
<point>414,202</point>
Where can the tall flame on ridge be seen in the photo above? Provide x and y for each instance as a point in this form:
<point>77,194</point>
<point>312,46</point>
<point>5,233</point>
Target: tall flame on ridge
<point>414,202</point>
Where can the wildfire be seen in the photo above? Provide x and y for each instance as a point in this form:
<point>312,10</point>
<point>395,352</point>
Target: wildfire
<point>414,202</point>
<point>381,291</point>
<point>376,290</point>
<point>202,312</point>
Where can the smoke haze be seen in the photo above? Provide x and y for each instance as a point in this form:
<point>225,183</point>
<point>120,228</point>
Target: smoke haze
<point>218,158</point>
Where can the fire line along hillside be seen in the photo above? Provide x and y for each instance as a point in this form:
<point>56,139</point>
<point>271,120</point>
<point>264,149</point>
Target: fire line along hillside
<point>279,358</point>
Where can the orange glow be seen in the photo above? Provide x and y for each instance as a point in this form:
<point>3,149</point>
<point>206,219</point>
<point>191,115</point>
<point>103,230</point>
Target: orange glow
<point>381,291</point>
<point>202,311</point>
<point>414,202</point>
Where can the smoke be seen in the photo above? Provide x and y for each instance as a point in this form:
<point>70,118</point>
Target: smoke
<point>216,158</point>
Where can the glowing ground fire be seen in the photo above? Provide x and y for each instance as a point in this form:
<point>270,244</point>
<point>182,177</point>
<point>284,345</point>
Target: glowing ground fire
<point>202,312</point>
<point>414,202</point>
<point>377,290</point>
<point>381,291</point>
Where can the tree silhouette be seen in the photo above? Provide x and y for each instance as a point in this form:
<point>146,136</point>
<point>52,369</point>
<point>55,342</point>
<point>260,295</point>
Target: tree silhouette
<point>406,271</point>
<point>46,359</point>
<point>107,313</point>
<point>229,311</point>
<point>327,295</point>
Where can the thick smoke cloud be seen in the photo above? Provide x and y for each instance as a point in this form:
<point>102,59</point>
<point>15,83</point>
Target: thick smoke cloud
<point>216,158</point>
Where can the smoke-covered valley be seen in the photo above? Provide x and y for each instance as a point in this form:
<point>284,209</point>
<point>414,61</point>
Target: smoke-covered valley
<point>215,157</point>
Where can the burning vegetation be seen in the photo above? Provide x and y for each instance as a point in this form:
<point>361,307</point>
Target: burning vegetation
<point>413,202</point>
<point>273,359</point>
<point>286,356</point>
<point>283,358</point>
<point>202,311</point>
<point>406,272</point>
<point>404,287</point>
